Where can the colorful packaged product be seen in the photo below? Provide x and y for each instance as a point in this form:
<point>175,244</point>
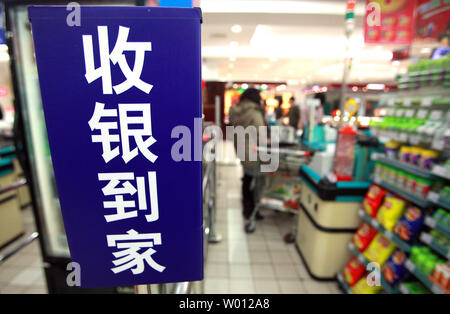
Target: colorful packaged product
<point>410,224</point>
<point>379,249</point>
<point>422,187</point>
<point>390,212</point>
<point>395,269</point>
<point>363,236</point>
<point>361,287</point>
<point>428,159</point>
<point>353,271</point>
<point>416,155</point>
<point>405,154</point>
<point>373,200</point>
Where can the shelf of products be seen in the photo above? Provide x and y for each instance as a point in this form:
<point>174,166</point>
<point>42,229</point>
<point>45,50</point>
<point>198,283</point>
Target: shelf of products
<point>439,199</point>
<point>413,288</point>
<point>436,242</point>
<point>344,285</point>
<point>361,258</point>
<point>388,234</point>
<point>423,278</point>
<point>440,221</point>
<point>403,166</point>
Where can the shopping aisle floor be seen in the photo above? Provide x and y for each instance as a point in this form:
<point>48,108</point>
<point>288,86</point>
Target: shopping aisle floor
<point>23,272</point>
<point>260,262</point>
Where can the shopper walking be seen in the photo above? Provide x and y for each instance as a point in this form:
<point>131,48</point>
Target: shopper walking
<point>248,113</point>
<point>294,114</point>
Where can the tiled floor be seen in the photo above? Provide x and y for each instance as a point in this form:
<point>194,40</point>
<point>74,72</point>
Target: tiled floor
<point>260,262</point>
<point>23,271</point>
<point>256,263</point>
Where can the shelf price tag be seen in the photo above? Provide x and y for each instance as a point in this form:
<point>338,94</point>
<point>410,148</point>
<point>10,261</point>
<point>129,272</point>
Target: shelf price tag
<point>399,113</point>
<point>403,289</point>
<point>388,234</point>
<point>427,101</point>
<point>436,289</point>
<point>410,265</point>
<point>436,114</point>
<point>433,196</point>
<point>409,113</point>
<point>430,222</point>
<point>426,238</point>
<point>407,102</point>
<point>375,223</point>
<point>361,258</point>
<point>422,113</point>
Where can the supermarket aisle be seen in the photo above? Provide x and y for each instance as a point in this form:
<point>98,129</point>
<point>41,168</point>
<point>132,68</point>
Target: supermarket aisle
<point>259,262</point>
<point>23,272</point>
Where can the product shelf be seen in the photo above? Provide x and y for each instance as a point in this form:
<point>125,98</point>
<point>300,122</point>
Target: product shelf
<point>442,172</point>
<point>437,247</point>
<point>386,286</point>
<point>388,234</point>
<point>437,200</point>
<point>433,224</point>
<point>421,202</point>
<point>423,278</point>
<point>426,174</point>
<point>344,285</point>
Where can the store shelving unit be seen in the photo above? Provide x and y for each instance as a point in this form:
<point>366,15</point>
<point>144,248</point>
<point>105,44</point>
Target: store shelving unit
<point>426,174</point>
<point>433,224</point>
<point>386,286</point>
<point>438,201</point>
<point>388,234</point>
<point>421,202</point>
<point>344,285</point>
<point>423,278</point>
<point>433,244</point>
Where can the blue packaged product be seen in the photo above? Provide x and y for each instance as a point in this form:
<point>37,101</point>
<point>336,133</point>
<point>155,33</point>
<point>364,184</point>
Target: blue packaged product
<point>395,269</point>
<point>409,225</point>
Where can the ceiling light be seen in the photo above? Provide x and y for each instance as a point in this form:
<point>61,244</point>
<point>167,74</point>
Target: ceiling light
<point>236,28</point>
<point>244,86</point>
<point>273,59</point>
<point>234,44</point>
<point>355,88</point>
<point>264,86</point>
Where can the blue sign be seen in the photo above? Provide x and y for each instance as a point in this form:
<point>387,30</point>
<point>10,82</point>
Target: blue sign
<point>2,26</point>
<point>114,87</point>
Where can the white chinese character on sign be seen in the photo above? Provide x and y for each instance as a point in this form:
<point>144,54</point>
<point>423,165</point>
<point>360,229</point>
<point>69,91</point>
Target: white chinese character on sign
<point>129,257</point>
<point>135,123</point>
<point>125,209</point>
<point>132,75</point>
<point>105,137</point>
<point>138,134</point>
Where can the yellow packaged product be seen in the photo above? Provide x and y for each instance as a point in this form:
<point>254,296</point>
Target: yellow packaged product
<point>379,250</point>
<point>361,287</point>
<point>391,210</point>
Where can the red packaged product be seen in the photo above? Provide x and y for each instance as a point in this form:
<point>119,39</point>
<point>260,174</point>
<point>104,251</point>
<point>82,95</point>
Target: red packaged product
<point>373,200</point>
<point>363,236</point>
<point>353,271</point>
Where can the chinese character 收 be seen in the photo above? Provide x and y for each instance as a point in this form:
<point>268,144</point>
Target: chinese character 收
<point>132,76</point>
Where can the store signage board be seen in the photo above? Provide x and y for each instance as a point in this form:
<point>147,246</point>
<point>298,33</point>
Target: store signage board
<point>114,88</point>
<point>389,22</point>
<point>2,27</point>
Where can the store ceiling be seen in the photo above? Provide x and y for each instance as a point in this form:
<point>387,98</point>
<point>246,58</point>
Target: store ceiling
<point>303,43</point>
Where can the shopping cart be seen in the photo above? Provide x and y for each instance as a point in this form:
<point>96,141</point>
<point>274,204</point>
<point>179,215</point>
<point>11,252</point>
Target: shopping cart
<point>280,190</point>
